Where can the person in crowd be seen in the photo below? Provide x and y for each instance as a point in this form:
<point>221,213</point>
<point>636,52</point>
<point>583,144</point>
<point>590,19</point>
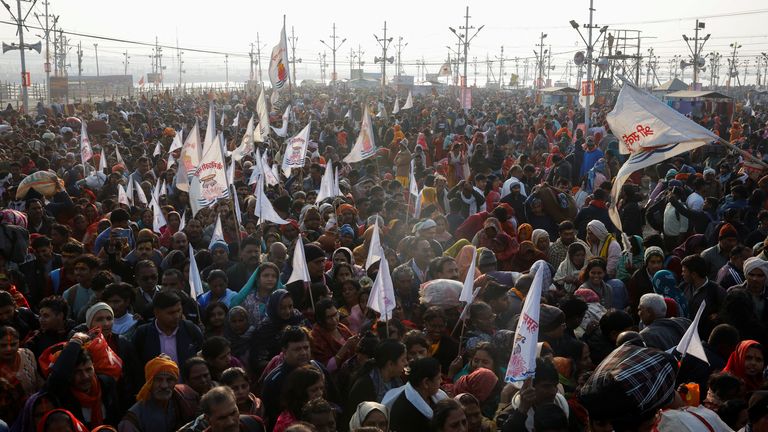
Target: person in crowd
<point>747,362</point>
<point>168,333</point>
<point>659,331</point>
<point>412,406</point>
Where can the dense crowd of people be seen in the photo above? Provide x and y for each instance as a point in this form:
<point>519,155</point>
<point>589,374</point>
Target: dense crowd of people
<point>100,327</point>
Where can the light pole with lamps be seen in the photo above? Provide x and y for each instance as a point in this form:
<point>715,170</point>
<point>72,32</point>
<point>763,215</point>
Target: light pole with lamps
<point>588,60</point>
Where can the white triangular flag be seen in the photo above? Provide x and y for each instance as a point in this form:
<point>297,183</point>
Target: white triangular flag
<point>279,73</point>
<point>177,143</point>
<point>348,114</point>
<point>195,284</point>
<point>223,119</point>
<point>183,221</point>
<point>156,192</point>
<point>163,190</point>
<point>296,150</point>
<point>236,121</point>
<point>522,361</point>
<point>140,193</point>
<point>129,190</point>
<point>212,174</point>
<point>195,195</point>
<point>396,109</point>
<point>158,219</point>
<point>336,189</point>
<point>122,196</point>
<point>271,176</point>
<point>264,210</point>
<point>210,129</point>
<point>413,187</point>
<point>189,158</point>
<point>375,246</point>
<point>469,281</point>
<point>218,232</point>
<point>255,170</point>
<point>365,145</point>
<point>690,343</point>
<point>408,102</point>
<point>417,206</point>
<point>236,202</point>
<point>102,161</point>
<point>283,131</point>
<point>86,152</point>
<point>158,149</point>
<point>119,157</point>
<point>327,183</point>
<point>246,144</point>
<point>382,296</point>
<point>299,272</point>
<point>231,172</point>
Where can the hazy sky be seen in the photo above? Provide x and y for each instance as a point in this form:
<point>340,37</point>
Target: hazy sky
<point>230,26</point>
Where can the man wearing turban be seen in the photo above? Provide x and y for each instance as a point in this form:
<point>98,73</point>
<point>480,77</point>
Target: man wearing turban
<point>162,404</point>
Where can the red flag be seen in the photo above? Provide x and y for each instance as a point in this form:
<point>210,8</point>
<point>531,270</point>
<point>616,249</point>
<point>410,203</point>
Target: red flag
<point>141,81</point>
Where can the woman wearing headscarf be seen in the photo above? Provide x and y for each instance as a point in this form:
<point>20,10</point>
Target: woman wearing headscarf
<point>239,331</point>
<point>596,176</point>
<point>310,223</point>
<point>482,384</point>
<point>344,255</point>
<point>540,240</point>
<point>464,261</point>
<point>370,415</point>
<point>525,257</point>
<point>570,269</point>
<point>266,339</point>
<point>665,283</point>
<point>524,232</point>
<point>494,238</point>
<point>603,244</point>
<point>255,294</point>
<point>35,407</point>
<point>747,362</point>
<point>641,281</point>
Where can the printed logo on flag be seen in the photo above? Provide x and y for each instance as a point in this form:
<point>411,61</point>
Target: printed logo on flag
<point>297,145</point>
<point>211,189</point>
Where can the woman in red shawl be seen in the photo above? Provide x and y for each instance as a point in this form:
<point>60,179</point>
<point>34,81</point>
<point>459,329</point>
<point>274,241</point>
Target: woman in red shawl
<point>60,419</point>
<point>525,258</point>
<point>495,239</point>
<point>331,341</point>
<point>747,362</point>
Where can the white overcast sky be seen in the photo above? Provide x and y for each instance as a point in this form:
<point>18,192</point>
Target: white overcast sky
<point>229,25</point>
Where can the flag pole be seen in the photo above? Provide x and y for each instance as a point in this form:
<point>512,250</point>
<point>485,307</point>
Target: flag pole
<point>743,152</point>
<point>290,84</point>
<point>234,214</point>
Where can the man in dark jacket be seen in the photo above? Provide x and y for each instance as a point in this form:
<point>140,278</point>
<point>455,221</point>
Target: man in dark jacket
<point>596,210</point>
<point>37,270</point>
<point>168,333</point>
<point>90,397</point>
<point>660,332</point>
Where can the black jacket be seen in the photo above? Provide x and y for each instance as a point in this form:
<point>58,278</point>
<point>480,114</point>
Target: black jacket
<point>146,341</point>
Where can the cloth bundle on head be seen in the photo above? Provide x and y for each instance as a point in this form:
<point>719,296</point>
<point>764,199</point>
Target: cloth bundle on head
<point>91,312</point>
<point>755,263</point>
<point>598,229</point>
<point>481,383</point>
<point>362,412</point>
<point>629,383</point>
<point>550,318</point>
<point>653,251</point>
<point>158,365</point>
<point>727,231</point>
<point>587,295</point>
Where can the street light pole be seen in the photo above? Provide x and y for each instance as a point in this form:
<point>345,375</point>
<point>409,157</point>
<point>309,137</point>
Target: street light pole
<point>96,48</point>
<point>588,60</point>
<point>333,49</point>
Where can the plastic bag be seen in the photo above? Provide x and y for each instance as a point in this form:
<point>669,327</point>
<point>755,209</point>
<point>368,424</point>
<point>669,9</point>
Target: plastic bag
<point>105,361</point>
<point>440,292</point>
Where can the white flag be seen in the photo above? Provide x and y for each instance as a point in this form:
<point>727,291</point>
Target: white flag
<point>210,129</point>
<point>163,190</point>
<point>236,121</point>
<point>271,176</point>
<point>690,344</point>
<point>469,281</point>
<point>155,192</point>
<point>195,195</point>
<point>177,143</point>
<point>218,232</point>
<point>231,172</point>
<point>278,67</point>
<point>413,187</point>
<point>262,130</point>
<point>408,101</point>
<point>119,158</point>
<point>86,152</point>
<point>264,210</point>
<point>158,149</point>
<point>382,296</point>
<point>652,132</point>
<point>396,108</point>
<point>246,144</point>
<point>327,184</point>
<point>348,114</point>
<point>365,146</point>
<point>299,272</point>
<point>158,219</point>
<point>236,202</point>
<point>283,131</point>
<point>195,284</point>
<point>102,161</point>
<point>122,196</point>
<point>417,206</point>
<point>183,221</point>
<point>522,361</point>
<point>641,120</point>
<point>374,249</point>
<point>212,175</point>
<point>129,190</point>
<point>223,120</point>
<point>445,70</point>
<point>189,158</point>
<point>140,193</point>
<point>296,150</point>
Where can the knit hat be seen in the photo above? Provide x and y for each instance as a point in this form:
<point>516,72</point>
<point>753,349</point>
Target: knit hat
<point>653,251</point>
<point>486,258</point>
<point>91,312</point>
<point>550,318</point>
<point>219,244</point>
<point>671,173</point>
<point>630,382</point>
<point>313,252</point>
<point>727,231</point>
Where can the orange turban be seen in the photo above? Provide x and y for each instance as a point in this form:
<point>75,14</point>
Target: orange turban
<point>158,365</point>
